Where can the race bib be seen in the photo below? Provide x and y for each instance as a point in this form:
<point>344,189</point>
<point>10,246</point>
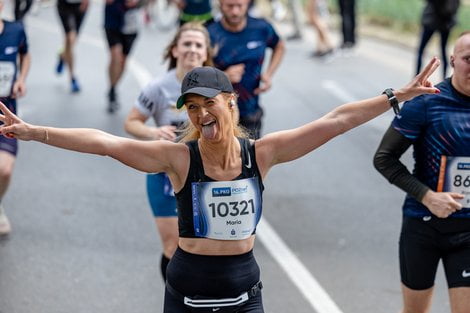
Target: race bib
<point>454,176</point>
<point>7,74</point>
<point>131,22</point>
<point>226,210</point>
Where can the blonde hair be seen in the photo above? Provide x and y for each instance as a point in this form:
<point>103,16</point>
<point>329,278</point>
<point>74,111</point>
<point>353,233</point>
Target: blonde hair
<point>194,26</point>
<point>189,131</point>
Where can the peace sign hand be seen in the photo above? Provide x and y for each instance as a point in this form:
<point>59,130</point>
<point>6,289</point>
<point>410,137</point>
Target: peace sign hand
<point>420,84</point>
<point>13,127</point>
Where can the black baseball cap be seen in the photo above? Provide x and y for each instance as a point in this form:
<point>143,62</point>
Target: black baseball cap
<point>205,81</point>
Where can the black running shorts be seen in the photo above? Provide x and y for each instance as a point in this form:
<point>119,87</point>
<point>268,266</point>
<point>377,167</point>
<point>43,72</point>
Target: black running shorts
<point>424,242</point>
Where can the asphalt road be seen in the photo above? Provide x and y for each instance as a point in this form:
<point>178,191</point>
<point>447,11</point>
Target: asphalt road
<point>83,236</point>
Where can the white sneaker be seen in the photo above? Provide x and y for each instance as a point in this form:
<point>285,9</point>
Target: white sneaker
<point>5,227</point>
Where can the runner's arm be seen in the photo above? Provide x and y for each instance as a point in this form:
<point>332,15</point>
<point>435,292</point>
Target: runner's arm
<point>387,162</point>
<point>292,144</point>
<point>147,156</point>
<point>19,87</point>
<point>267,76</point>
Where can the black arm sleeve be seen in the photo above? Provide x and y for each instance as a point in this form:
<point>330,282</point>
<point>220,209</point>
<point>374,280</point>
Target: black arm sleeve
<point>387,162</point>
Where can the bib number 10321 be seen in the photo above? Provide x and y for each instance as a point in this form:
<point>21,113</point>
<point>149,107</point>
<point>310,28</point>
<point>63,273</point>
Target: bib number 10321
<point>234,208</point>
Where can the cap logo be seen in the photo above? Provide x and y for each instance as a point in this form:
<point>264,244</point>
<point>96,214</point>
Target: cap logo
<point>193,79</point>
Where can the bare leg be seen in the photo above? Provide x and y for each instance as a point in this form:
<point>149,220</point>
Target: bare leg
<point>296,11</point>
<point>168,229</point>
<point>416,301</point>
<point>115,71</point>
<point>7,162</point>
<point>460,299</point>
<point>116,65</point>
<point>323,39</point>
<point>67,54</point>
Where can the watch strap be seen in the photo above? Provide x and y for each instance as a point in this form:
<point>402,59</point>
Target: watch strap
<point>392,99</point>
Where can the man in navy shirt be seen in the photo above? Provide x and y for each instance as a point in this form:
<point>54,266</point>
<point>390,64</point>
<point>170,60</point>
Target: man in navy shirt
<point>13,43</point>
<point>436,210</point>
<point>240,43</point>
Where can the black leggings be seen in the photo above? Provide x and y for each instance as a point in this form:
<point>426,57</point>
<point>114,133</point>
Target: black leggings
<point>348,20</point>
<point>21,8</point>
<point>214,277</point>
<point>425,37</point>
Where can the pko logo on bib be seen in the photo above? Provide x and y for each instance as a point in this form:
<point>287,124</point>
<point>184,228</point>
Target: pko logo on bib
<point>463,166</point>
<point>221,192</point>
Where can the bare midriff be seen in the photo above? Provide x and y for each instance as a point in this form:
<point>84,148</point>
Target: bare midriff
<point>206,246</point>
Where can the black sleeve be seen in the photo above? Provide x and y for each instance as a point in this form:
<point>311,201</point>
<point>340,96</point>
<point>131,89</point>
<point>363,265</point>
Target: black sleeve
<point>387,162</point>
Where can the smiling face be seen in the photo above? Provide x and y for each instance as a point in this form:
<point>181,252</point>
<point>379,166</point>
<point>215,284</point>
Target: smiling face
<point>190,50</point>
<point>212,117</point>
<point>460,60</point>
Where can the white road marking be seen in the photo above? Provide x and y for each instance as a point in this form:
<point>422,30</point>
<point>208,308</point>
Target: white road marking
<point>337,91</point>
<point>309,287</point>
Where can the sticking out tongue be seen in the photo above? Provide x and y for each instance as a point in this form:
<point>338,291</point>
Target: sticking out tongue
<point>209,131</point>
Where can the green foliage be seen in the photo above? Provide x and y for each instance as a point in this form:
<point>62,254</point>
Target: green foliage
<point>402,15</point>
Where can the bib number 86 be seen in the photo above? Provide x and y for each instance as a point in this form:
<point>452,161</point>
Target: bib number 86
<point>235,208</point>
<point>459,181</point>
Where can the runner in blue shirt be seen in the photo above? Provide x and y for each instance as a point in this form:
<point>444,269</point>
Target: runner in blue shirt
<point>13,46</point>
<point>436,211</point>
<point>240,44</point>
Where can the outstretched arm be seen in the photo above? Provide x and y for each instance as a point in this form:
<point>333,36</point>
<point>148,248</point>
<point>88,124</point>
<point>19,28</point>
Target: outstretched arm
<point>291,144</point>
<point>151,156</point>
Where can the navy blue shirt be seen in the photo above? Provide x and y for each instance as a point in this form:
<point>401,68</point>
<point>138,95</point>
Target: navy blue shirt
<point>438,125</point>
<point>119,17</point>
<point>247,47</point>
<point>197,7</point>
<point>12,42</point>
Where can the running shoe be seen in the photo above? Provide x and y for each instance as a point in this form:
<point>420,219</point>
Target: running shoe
<point>5,227</point>
<point>60,66</point>
<point>294,36</point>
<point>113,104</point>
<point>75,86</point>
<point>320,54</point>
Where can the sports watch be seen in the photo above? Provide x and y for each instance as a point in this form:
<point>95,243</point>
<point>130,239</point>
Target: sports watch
<point>392,99</point>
